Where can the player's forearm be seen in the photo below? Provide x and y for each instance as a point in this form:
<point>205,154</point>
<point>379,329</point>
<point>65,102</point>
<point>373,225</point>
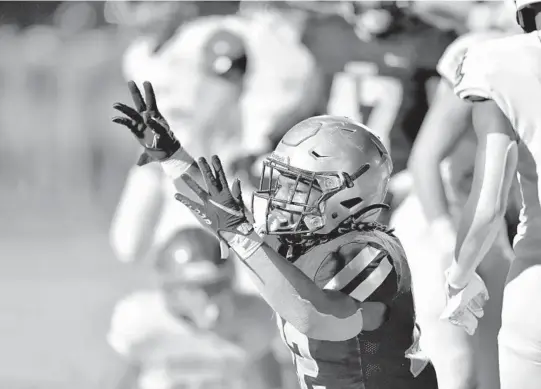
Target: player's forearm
<point>429,187</point>
<point>181,162</point>
<point>477,233</point>
<point>298,300</point>
<point>137,213</point>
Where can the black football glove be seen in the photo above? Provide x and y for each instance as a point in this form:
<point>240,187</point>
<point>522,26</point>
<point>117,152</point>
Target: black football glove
<point>148,125</point>
<point>221,209</point>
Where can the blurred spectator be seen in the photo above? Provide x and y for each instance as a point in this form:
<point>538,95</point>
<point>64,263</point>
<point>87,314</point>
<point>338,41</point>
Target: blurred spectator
<point>196,330</point>
<point>75,17</point>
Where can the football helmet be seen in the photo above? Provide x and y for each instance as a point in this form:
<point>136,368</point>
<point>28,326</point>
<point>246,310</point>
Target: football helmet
<point>525,14</point>
<point>224,54</point>
<point>192,259</point>
<point>338,171</point>
<point>194,278</point>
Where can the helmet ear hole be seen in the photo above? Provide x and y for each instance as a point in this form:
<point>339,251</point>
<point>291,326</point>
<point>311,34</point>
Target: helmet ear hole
<point>350,203</point>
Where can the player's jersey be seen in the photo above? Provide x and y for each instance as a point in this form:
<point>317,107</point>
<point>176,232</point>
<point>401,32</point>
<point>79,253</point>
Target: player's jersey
<point>380,82</point>
<point>373,359</point>
<point>457,168</point>
<point>172,351</point>
<point>508,71</point>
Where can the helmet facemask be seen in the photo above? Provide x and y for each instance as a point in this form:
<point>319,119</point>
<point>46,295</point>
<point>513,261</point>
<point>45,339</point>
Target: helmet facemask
<point>292,201</point>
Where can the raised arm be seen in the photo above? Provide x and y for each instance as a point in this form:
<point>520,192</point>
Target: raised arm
<point>317,313</point>
<point>152,131</point>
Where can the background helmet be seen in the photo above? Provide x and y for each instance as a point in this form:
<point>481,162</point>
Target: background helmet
<point>526,12</point>
<point>191,259</point>
<point>339,159</point>
<point>224,54</point>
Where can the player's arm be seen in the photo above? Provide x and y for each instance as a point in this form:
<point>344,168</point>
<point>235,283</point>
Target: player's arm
<point>317,313</point>
<point>153,133</point>
<point>137,213</point>
<point>313,311</point>
<point>444,124</point>
<point>495,168</point>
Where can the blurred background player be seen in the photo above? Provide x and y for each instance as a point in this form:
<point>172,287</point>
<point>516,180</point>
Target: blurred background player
<point>227,82</point>
<point>377,59</point>
<point>436,204</point>
<point>195,330</point>
<point>200,77</point>
<point>501,77</point>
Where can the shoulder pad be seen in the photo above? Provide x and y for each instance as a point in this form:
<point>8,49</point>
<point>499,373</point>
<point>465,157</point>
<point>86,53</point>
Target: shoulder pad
<point>453,55</point>
<point>471,80</point>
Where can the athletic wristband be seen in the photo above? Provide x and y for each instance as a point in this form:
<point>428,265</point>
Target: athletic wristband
<point>245,245</point>
<point>177,164</point>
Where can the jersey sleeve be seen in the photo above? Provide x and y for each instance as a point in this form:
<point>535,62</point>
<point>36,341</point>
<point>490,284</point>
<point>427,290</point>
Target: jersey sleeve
<point>368,275</point>
<point>450,60</point>
<point>452,57</point>
<point>473,74</point>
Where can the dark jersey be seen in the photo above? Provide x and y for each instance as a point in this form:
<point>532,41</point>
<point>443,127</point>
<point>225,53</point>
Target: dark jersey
<point>373,359</point>
<point>380,82</point>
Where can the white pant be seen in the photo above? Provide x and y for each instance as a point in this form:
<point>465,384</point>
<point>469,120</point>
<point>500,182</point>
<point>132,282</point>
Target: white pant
<point>520,335</point>
<point>461,361</point>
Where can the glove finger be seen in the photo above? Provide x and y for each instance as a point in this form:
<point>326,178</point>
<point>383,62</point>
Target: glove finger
<point>194,186</point>
<point>236,191</point>
<point>212,185</point>
<point>155,126</point>
<point>129,112</point>
<point>150,97</point>
<point>224,250</point>
<point>220,174</point>
<point>476,306</point>
<point>453,308</point>
<point>136,96</point>
<point>127,122</point>
<point>465,320</point>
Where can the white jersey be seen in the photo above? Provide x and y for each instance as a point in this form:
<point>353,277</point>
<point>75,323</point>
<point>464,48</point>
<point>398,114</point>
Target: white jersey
<point>508,71</point>
<point>280,80</point>
<point>457,168</point>
<point>171,351</point>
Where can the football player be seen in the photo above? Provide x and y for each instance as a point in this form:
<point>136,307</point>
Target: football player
<point>196,329</point>
<point>501,78</point>
<point>146,216</point>
<point>337,280</point>
<point>441,190</point>
<point>232,110</point>
<point>377,61</point>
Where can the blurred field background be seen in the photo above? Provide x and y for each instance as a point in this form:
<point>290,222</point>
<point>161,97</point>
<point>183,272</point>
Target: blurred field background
<point>62,165</point>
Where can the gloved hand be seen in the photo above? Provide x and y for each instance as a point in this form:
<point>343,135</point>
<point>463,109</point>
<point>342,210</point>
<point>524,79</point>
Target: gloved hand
<point>147,124</point>
<point>465,306</point>
<point>219,209</point>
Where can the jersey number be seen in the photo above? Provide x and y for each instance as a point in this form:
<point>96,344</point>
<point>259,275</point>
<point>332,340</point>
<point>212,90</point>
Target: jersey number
<point>361,94</point>
<point>307,368</point>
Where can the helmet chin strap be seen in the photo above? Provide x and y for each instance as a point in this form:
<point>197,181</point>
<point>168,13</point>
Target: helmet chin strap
<point>293,246</point>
